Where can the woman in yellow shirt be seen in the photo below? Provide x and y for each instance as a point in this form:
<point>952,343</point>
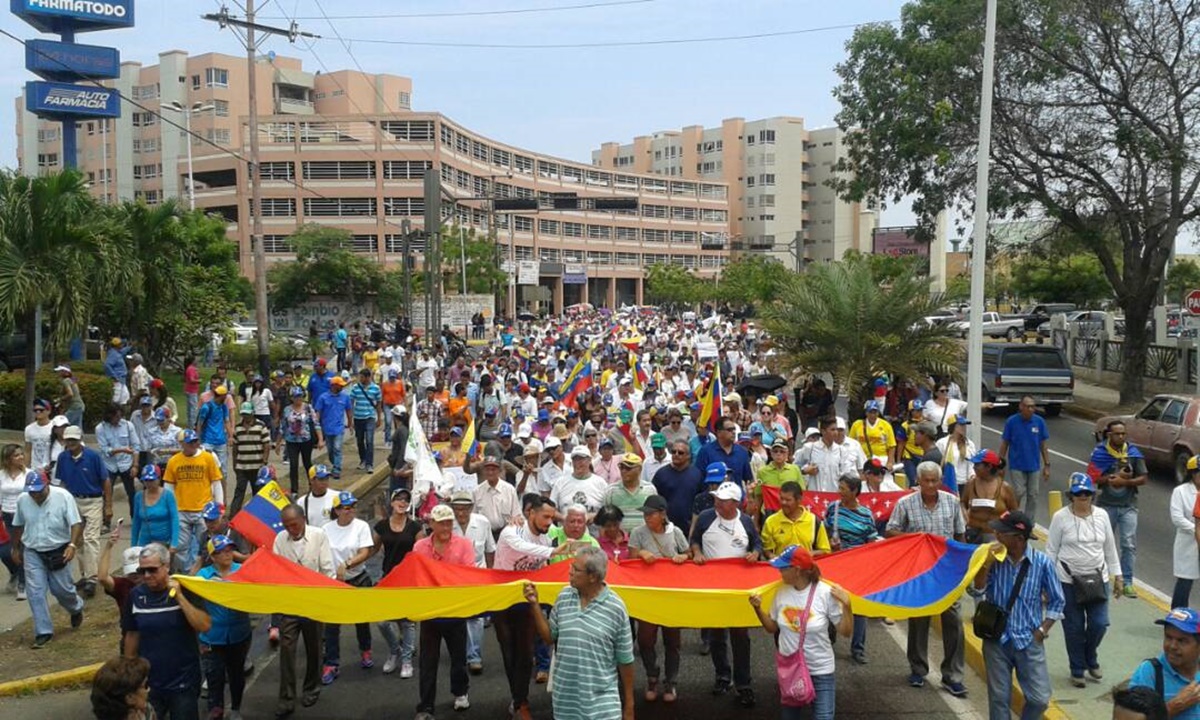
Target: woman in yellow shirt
<point>875,435</point>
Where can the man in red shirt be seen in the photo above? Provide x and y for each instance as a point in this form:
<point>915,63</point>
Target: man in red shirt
<point>443,545</point>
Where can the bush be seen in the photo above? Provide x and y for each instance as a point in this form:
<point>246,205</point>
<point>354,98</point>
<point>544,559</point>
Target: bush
<point>95,389</point>
<point>237,355</point>
<point>78,367</point>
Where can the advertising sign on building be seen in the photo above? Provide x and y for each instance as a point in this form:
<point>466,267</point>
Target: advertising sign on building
<point>527,272</point>
<point>49,98</point>
<point>57,16</point>
<point>574,274</point>
<point>897,241</point>
<point>54,60</point>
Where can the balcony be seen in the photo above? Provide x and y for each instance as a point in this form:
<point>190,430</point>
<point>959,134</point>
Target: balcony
<point>293,106</point>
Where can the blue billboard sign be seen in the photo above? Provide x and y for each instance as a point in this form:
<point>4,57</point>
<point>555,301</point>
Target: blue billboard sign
<point>51,99</point>
<point>71,16</point>
<point>53,60</point>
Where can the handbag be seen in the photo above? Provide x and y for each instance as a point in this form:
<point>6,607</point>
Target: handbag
<point>990,619</point>
<point>55,559</point>
<point>795,684</point>
<point>1090,588</point>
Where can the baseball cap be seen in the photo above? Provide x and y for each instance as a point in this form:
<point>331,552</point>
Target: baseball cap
<point>61,368</point>
<point>190,436</point>
<point>73,432</point>
<point>543,415</point>
<point>246,409</point>
<point>1192,463</point>
<point>957,420</point>
<point>462,497</point>
<point>658,440</point>
<point>875,466</point>
<point>399,410</point>
<point>59,421</point>
<point>780,441</point>
<point>579,451</point>
<point>296,391</point>
<point>716,472</point>
<point>456,431</point>
<point>221,390</point>
<point>146,400</point>
<point>1182,618</point>
<point>841,423</point>
<point>265,475</point>
<point>319,472</point>
<point>441,513</point>
<point>344,499</point>
<point>631,459</point>
<point>1013,521</point>
<point>217,543</point>
<point>654,503</point>
<point>534,447</point>
<point>811,431</point>
<point>524,431</point>
<point>402,491</point>
<point>987,457</point>
<point>505,430</point>
<point>794,556</point>
<point>150,473</point>
<point>490,460</point>
<point>41,403</point>
<point>36,481</point>
<point>771,401</point>
<point>552,442</point>
<point>160,414</point>
<point>916,405</point>
<point>211,511</point>
<point>338,381</point>
<point>746,437</point>
<point>129,559</point>
<point>872,406</point>
<point>727,491</point>
<point>1081,483</point>
<point>321,362</point>
<point>605,441</point>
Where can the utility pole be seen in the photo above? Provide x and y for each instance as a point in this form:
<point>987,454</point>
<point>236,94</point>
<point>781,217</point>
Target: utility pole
<point>406,261</point>
<point>433,267</point>
<point>224,19</point>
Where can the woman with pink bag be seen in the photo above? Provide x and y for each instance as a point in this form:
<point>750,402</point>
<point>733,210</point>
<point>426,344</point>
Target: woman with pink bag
<point>802,613</point>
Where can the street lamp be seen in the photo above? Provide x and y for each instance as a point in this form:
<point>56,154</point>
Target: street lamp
<point>187,125</point>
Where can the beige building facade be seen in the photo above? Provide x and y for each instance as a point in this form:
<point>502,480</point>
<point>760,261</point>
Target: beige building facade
<point>344,149</point>
<point>776,170</point>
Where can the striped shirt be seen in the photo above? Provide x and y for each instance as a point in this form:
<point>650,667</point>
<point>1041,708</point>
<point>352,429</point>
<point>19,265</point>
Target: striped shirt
<point>944,520</point>
<point>250,445</point>
<point>365,399</point>
<point>850,527</point>
<point>591,643</point>
<point>1027,611</point>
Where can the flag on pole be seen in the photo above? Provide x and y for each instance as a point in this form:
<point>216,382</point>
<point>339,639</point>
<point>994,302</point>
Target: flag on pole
<point>578,381</point>
<point>426,474</point>
<point>259,520</point>
<point>638,371</point>
<point>710,399</point>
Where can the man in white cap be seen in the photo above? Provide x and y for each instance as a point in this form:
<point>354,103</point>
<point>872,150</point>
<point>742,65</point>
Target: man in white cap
<point>47,529</point>
<point>854,447</point>
<point>478,529</point>
<point>554,469</point>
<point>825,460</point>
<point>581,486</point>
<point>81,471</point>
<point>495,499</point>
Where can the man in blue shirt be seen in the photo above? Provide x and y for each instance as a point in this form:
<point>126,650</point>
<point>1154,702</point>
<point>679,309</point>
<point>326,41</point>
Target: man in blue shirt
<point>1030,574</point>
<point>46,530</point>
<point>725,450</point>
<point>341,340</point>
<point>1175,673</point>
<point>367,402</point>
<point>333,413</point>
<point>214,422</point>
<point>117,371</point>
<point>318,382</point>
<point>678,482</point>
<point>81,472</point>
<point>1023,443</point>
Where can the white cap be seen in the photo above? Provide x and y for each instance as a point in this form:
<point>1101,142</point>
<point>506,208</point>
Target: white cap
<point>525,431</point>
<point>129,560</point>
<point>59,421</point>
<point>811,431</point>
<point>841,423</point>
<point>728,491</point>
<point>73,432</point>
<point>552,442</point>
<point>533,447</point>
<point>581,451</point>
<point>62,368</point>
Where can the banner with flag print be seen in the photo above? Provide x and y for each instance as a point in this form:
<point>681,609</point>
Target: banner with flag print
<point>259,520</point>
<point>880,504</point>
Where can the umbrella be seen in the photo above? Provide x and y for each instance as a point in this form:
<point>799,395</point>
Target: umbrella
<point>758,384</point>
<point>527,316</point>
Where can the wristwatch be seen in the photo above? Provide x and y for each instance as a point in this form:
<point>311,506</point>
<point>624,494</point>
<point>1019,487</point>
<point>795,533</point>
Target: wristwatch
<point>72,545</point>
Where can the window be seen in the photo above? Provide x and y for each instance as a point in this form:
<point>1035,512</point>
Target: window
<point>501,158</point>
<point>410,130</point>
<point>277,171</point>
<point>627,234</point>
<point>479,151</point>
<point>143,119</point>
<point>150,145</point>
<point>364,243</point>
<point>405,100</point>
<point>548,227</point>
<point>145,92</point>
<point>571,229</point>
<point>655,236</point>
<point>395,243</point>
<point>548,254</point>
<point>572,175</point>
<point>221,108</point>
<point>766,179</point>
<point>766,136</point>
<point>276,244</point>
<point>404,206</point>
<point>548,169</point>
<point>405,169</point>
<point>766,201</point>
<point>48,160</point>
<point>749,181</point>
<point>339,207</point>
<point>523,224</point>
<point>195,82</point>
<point>339,170</point>
<point>137,145</point>
<point>338,93</point>
<point>216,77</point>
<point>462,143</point>
<point>220,137</point>
<point>686,237</point>
<point>523,164</point>
<point>599,232</point>
<point>749,139</point>
<point>49,135</point>
<point>683,213</point>
<point>277,207</point>
<point>654,211</point>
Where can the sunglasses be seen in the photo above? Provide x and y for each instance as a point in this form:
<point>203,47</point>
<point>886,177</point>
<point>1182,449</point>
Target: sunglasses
<point>148,570</point>
<point>942,390</point>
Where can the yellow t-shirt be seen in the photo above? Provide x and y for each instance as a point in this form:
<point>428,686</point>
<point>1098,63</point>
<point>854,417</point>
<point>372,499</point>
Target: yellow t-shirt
<point>876,440</point>
<point>779,532</point>
<point>193,478</point>
<point>371,359</point>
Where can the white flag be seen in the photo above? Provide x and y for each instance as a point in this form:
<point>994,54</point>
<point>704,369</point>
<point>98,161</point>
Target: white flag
<point>426,475</point>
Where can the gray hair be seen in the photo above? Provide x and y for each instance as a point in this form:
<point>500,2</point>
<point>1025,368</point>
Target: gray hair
<point>156,550</point>
<point>929,468</point>
<point>575,508</point>
<point>595,562</point>
<point>683,444</point>
<point>927,428</point>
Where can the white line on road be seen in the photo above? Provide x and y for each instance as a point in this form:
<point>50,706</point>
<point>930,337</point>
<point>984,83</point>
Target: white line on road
<point>1052,452</point>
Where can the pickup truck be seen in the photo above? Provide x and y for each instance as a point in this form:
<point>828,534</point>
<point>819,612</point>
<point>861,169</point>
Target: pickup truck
<point>1011,371</point>
<point>1166,430</point>
<point>995,325</point>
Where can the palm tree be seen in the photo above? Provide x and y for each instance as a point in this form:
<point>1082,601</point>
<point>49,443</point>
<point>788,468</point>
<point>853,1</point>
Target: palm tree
<point>54,255</point>
<point>838,318</point>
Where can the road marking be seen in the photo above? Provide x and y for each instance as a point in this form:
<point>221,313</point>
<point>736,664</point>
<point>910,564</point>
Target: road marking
<point>963,708</point>
<point>1052,452</point>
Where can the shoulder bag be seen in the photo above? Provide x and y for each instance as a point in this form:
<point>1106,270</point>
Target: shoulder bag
<point>1089,588</point>
<point>991,620</point>
<point>795,683</point>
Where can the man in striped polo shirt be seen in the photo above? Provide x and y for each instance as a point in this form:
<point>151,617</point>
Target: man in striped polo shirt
<point>367,402</point>
<point>590,627</point>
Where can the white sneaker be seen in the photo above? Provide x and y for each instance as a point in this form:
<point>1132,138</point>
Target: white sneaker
<point>406,669</point>
<point>20,593</point>
<point>461,703</point>
<point>389,666</point>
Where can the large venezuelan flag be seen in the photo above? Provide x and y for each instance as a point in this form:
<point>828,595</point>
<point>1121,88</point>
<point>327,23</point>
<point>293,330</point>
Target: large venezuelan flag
<point>259,520</point>
<point>577,381</point>
<point>907,576</point>
<point>710,401</point>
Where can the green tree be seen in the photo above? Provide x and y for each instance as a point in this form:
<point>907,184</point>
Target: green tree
<point>674,286</point>
<point>484,274</point>
<point>838,318</point>
<point>1094,127</point>
<point>1075,279</point>
<point>56,254</point>
<point>751,279</point>
<point>886,268</point>
<point>326,264</point>
<point>1182,277</point>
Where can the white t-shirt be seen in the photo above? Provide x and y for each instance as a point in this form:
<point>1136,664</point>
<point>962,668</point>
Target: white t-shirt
<point>548,476</point>
<point>262,402</point>
<point>346,540</point>
<point>519,549</point>
<point>787,609</point>
<point>588,492</point>
<point>11,487</point>
<point>479,532</point>
<point>317,508</point>
<point>39,439</point>
<point>428,370</point>
<point>725,538</point>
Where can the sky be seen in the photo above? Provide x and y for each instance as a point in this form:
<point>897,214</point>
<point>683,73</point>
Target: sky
<point>565,101</point>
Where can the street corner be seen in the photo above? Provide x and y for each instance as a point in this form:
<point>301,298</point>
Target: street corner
<point>50,681</point>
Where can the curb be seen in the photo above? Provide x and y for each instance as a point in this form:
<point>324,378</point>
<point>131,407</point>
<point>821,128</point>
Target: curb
<point>1085,412</point>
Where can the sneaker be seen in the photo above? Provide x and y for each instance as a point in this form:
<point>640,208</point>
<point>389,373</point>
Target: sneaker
<point>859,658</point>
<point>20,593</point>
<point>1130,590</point>
<point>1078,682</point>
<point>746,697</point>
<point>956,689</point>
<point>76,619</point>
<point>542,677</point>
<point>722,686</point>
<point>462,702</point>
<point>1095,673</point>
<point>389,665</point>
<point>406,669</point>
<point>651,689</point>
<point>89,589</point>
<point>310,699</point>
<point>475,668</point>
<point>329,674</point>
<point>273,637</point>
<point>888,621</point>
<point>423,716</point>
<point>234,715</point>
<point>669,693</point>
<point>916,681</point>
<point>366,663</point>
<point>521,713</point>
<point>40,641</point>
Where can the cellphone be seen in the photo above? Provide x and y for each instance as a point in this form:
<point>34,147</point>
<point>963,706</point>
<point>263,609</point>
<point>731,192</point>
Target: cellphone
<point>120,522</point>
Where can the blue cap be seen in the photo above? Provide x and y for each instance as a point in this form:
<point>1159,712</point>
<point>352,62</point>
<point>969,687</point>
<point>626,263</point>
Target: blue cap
<point>191,436</point>
<point>916,405</point>
<point>958,420</point>
<point>211,511</point>
<point>1081,483</point>
<point>320,471</point>
<point>296,391</point>
<point>543,415</point>
<point>160,414</point>
<point>1182,618</point>
<point>456,431</point>
<point>873,405</point>
<point>505,430</point>
<point>43,403</point>
<point>150,473</point>
<point>572,412</point>
<point>716,472</point>
<point>393,373</point>
<point>694,406</point>
<point>146,400</point>
<point>747,437</point>
<point>217,543</point>
<point>607,399</point>
<point>344,499</point>
<point>36,481</point>
<point>265,475</point>
<point>606,441</point>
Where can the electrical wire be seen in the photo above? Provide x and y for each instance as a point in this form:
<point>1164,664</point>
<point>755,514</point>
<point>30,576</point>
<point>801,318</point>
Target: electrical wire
<point>465,13</point>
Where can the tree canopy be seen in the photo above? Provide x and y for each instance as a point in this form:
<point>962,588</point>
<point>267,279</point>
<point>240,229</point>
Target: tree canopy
<point>326,264</point>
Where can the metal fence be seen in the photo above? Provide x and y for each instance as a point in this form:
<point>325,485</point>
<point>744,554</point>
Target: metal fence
<point>1162,361</point>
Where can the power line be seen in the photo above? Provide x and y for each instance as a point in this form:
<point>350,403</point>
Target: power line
<point>618,43</point>
<point>466,13</point>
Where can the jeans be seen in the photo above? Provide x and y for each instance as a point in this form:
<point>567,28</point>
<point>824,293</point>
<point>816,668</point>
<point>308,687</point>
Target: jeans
<point>541,654</point>
<point>403,643</point>
<point>334,444</point>
<point>176,704</point>
<point>333,631</point>
<point>364,437</point>
<point>387,423</point>
<point>222,453</point>
<point>291,629</point>
<point>1032,675</point>
<point>40,579</point>
<point>227,661</point>
<point>858,640</point>
<point>17,571</point>
<point>1027,486</point>
<point>433,632</point>
<point>647,640</point>
<point>1083,630</point>
<point>739,638</point>
<point>475,640</point>
<point>1124,523</point>
<point>75,417</point>
<point>952,644</point>
<point>822,707</point>
<point>514,631</point>
<point>297,452</point>
<point>191,529</point>
<point>193,402</point>
<point>126,478</point>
